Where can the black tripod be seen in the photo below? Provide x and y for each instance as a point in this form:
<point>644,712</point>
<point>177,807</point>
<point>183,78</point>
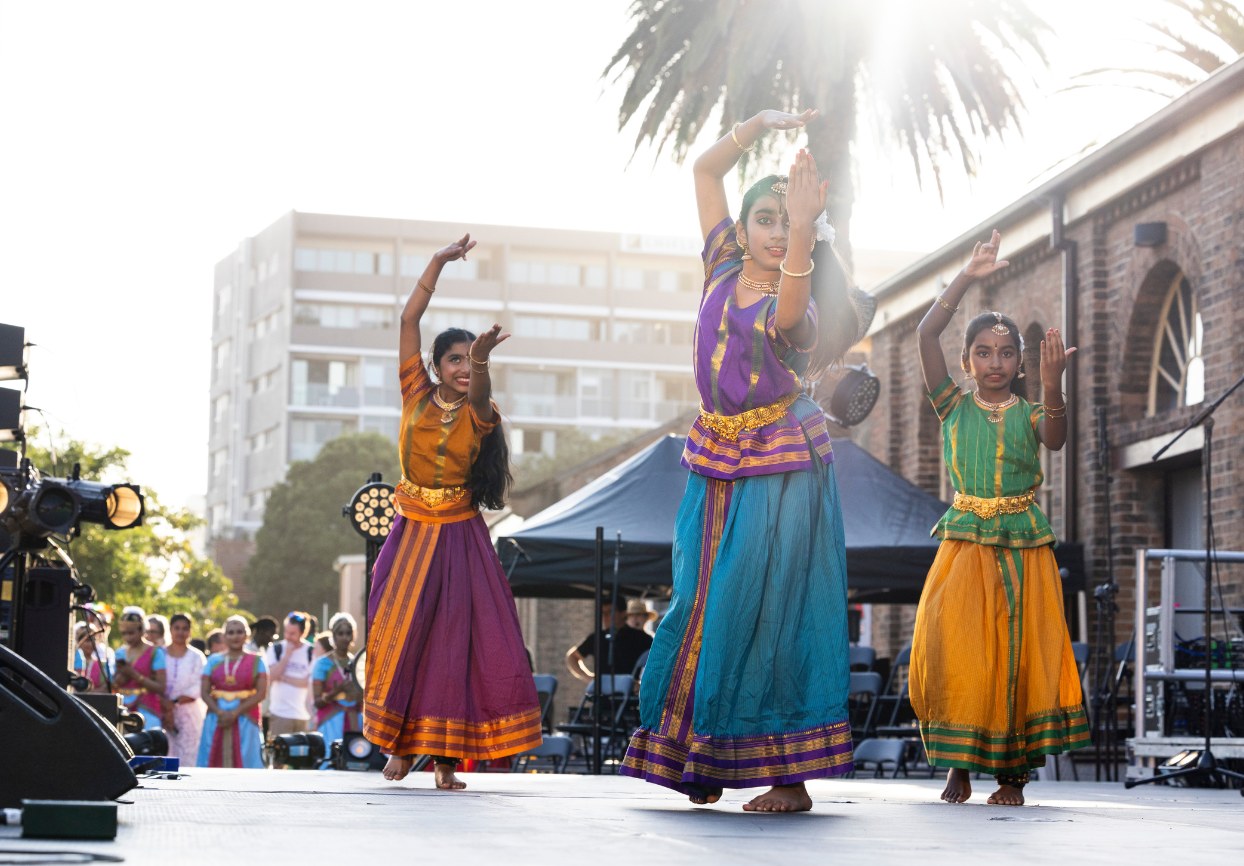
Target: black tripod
<point>1206,764</point>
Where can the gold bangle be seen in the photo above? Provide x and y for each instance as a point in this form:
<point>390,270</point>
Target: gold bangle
<point>476,363</point>
<point>811,268</point>
<point>1055,412</point>
<point>422,285</point>
<point>735,137</point>
<point>945,306</point>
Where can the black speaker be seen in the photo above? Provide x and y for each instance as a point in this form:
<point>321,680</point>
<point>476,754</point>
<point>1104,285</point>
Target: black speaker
<point>53,746</point>
<point>1149,234</point>
<point>45,627</point>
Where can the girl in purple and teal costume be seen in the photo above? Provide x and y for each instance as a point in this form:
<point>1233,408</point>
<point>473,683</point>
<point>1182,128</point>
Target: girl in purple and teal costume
<point>746,683</point>
<point>336,694</point>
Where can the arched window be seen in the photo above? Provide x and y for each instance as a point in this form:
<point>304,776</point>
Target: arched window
<point>1177,375</point>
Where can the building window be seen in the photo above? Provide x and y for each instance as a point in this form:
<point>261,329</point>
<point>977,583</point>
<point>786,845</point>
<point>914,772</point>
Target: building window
<point>307,435</point>
<point>315,382</point>
<point>1177,376</point>
<point>549,327</point>
<point>333,261</point>
<point>352,316</point>
<point>380,385</point>
<point>435,321</point>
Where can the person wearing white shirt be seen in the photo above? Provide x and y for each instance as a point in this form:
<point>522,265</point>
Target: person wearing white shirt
<point>289,667</point>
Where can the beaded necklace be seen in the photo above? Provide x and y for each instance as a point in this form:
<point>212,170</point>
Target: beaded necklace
<point>448,410</point>
<point>766,287</point>
<point>995,409</point>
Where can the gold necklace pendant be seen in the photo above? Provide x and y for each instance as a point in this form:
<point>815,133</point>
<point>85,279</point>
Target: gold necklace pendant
<point>448,410</point>
<point>768,287</point>
<point>995,409</point>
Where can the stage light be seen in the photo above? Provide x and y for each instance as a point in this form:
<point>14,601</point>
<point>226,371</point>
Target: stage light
<point>113,506</point>
<point>371,510</point>
<point>354,752</point>
<point>45,507</point>
<point>854,396</point>
<point>299,751</point>
<point>152,741</point>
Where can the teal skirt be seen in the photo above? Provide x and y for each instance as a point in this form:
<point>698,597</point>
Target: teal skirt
<point>747,679</point>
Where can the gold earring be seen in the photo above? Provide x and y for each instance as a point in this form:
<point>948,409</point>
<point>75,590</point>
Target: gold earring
<point>747,257</point>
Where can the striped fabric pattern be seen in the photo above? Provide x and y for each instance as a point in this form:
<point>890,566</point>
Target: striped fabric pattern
<point>742,361</point>
<point>990,460</point>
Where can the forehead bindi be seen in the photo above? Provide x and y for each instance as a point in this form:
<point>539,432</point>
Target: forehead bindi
<point>993,342</point>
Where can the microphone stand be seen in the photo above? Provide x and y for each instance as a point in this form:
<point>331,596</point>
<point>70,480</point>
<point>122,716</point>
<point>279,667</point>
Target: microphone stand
<point>1206,765</point>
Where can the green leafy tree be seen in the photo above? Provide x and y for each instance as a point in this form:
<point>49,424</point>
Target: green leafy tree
<point>153,565</point>
<point>303,530</point>
<point>940,77</point>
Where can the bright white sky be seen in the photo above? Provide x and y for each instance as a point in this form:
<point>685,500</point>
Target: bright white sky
<point>144,140</point>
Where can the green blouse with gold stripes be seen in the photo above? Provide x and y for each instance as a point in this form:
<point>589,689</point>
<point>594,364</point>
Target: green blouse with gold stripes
<point>990,460</point>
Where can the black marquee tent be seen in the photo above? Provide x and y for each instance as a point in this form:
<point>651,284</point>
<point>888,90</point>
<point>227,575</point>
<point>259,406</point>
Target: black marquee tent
<point>887,521</point>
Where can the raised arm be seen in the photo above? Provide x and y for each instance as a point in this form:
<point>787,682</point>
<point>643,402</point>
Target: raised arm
<point>984,261</point>
<point>805,201</point>
<point>479,391</point>
<point>715,163</point>
<point>409,342</point>
<point>1052,428</point>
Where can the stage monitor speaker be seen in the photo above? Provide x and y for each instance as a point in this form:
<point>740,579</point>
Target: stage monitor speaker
<point>45,624</point>
<point>53,746</point>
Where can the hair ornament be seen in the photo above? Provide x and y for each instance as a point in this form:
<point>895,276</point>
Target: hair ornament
<point>999,327</point>
<point>822,230</point>
<point>779,186</point>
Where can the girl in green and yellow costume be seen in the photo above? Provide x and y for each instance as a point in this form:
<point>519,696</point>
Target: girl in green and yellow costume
<point>993,680</point>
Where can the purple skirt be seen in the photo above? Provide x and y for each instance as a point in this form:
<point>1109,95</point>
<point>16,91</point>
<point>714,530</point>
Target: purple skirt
<point>447,672</point>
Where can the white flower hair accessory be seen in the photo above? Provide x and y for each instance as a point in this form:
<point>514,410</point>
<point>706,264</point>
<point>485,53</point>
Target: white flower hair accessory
<point>824,231</point>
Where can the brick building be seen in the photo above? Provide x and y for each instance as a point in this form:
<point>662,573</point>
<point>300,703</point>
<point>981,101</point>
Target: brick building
<point>1137,253</point>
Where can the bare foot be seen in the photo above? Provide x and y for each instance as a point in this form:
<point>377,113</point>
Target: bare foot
<point>446,780</point>
<point>781,798</point>
<point>1007,795</point>
<point>958,787</point>
<point>702,796</point>
<point>396,768</point>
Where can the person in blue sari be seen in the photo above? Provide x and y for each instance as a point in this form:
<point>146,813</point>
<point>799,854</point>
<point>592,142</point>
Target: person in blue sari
<point>234,684</point>
<point>333,687</point>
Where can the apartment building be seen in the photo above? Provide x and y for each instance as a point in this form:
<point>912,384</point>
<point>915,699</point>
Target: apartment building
<point>304,338</point>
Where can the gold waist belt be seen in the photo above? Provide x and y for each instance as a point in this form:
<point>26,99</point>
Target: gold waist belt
<point>131,692</point>
<point>988,507</point>
<point>432,496</point>
<point>222,695</point>
<point>729,426</point>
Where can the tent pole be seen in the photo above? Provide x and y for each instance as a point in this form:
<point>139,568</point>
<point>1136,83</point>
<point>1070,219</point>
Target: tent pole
<point>597,703</point>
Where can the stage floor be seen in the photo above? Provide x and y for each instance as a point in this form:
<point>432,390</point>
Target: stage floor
<point>237,816</point>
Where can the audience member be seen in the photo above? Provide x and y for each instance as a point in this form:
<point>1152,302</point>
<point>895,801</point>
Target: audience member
<point>139,677</point>
<point>234,683</point>
<point>182,703</point>
<point>289,665</point>
<point>621,645</point>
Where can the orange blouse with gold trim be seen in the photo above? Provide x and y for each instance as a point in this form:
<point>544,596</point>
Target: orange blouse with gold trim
<point>436,455</point>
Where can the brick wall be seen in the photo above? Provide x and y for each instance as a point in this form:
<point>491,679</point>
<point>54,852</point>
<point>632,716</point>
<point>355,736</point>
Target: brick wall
<point>1122,290</point>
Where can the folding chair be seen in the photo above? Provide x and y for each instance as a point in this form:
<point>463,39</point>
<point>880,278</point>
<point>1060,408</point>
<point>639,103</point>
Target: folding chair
<point>615,699</point>
<point>556,748</point>
<point>863,658</point>
<point>546,690</point>
<point>862,702</point>
<point>894,695</point>
<point>878,753</point>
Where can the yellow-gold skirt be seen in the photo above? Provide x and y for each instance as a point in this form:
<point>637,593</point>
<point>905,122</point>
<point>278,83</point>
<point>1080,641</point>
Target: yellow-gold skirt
<point>993,680</point>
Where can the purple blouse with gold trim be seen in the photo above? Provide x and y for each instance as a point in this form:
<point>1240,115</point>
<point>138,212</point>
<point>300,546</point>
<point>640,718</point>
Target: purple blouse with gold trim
<point>742,361</point>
